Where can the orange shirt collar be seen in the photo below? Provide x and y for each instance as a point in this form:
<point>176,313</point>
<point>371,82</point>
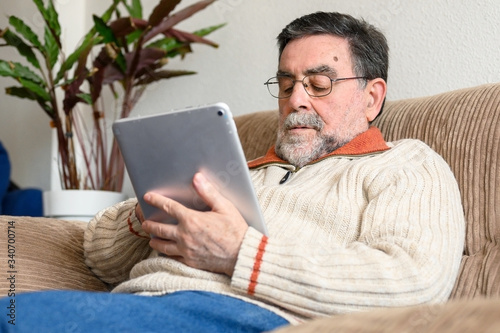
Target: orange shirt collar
<point>367,142</point>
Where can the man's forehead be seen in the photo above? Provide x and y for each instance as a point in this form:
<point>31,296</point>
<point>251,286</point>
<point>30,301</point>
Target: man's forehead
<point>326,54</point>
<point>319,69</point>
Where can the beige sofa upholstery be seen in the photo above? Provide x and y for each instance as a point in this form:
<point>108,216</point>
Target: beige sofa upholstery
<point>463,126</point>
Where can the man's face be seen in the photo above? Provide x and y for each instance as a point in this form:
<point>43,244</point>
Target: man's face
<point>311,127</point>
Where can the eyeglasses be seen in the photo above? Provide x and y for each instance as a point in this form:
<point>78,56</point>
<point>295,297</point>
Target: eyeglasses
<point>316,85</point>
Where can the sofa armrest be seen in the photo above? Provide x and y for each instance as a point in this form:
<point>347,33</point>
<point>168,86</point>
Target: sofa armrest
<point>46,253</point>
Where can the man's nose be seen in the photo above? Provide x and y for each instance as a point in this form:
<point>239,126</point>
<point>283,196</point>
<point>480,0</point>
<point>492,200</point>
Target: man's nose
<point>299,97</point>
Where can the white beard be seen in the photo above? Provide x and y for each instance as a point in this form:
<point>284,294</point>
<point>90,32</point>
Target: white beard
<point>299,150</point>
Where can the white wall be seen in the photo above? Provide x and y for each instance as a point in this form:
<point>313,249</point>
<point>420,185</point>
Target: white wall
<point>436,46</point>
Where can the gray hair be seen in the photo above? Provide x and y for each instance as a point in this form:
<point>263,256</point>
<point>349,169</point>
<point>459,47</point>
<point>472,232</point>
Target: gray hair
<point>368,45</point>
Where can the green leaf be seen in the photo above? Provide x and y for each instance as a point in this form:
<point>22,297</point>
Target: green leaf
<point>109,12</point>
<point>133,37</point>
<point>73,57</point>
<point>88,40</point>
<point>50,17</point>
<point>111,42</point>
<point>171,46</point>
<point>17,71</point>
<point>86,98</point>
<point>166,44</point>
<point>23,48</point>
<point>104,30</point>
<point>25,31</point>
<point>47,108</point>
<point>35,88</point>
<point>53,21</point>
<point>20,92</point>
<point>182,51</point>
<point>121,62</point>
<point>209,30</point>
<point>52,48</point>
<point>135,10</point>
<point>41,8</point>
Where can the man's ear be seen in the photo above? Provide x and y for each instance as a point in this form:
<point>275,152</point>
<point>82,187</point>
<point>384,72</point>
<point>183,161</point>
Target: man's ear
<point>376,90</point>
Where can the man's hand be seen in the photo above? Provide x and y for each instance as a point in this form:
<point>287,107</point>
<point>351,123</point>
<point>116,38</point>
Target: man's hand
<point>205,240</point>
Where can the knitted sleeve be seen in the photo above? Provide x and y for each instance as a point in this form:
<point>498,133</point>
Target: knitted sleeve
<point>406,251</point>
<point>114,242</point>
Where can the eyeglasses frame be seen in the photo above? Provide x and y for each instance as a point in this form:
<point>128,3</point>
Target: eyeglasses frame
<point>267,83</point>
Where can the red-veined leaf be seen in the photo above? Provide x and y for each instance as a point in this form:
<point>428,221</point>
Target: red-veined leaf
<point>162,10</point>
<point>126,25</point>
<point>71,93</point>
<point>190,38</point>
<point>171,21</point>
<point>147,57</point>
<point>161,75</point>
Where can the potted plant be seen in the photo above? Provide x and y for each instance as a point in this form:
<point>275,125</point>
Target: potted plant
<point>123,52</point>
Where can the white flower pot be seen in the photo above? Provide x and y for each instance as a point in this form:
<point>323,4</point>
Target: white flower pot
<point>79,205</point>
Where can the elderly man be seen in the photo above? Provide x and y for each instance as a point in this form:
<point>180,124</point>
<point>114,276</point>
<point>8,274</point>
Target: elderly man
<point>354,222</point>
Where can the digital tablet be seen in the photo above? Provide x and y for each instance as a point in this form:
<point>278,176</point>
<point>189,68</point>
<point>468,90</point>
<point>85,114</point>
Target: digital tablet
<point>163,152</point>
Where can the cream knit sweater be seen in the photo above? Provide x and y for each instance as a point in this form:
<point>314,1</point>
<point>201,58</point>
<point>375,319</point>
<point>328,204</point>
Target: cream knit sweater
<point>365,227</point>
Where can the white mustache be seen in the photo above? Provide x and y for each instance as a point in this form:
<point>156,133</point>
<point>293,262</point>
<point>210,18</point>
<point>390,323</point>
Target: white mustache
<point>311,120</point>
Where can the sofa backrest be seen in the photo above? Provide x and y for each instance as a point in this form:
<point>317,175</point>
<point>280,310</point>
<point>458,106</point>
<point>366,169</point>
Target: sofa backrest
<point>463,126</point>
<point>257,132</point>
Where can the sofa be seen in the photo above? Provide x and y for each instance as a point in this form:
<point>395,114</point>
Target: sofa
<point>463,126</point>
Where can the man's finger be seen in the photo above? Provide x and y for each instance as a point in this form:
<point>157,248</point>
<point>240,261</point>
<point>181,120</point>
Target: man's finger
<point>171,207</point>
<point>160,230</point>
<point>167,247</point>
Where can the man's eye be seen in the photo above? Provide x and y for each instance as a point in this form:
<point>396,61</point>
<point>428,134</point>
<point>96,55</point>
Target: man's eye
<point>319,83</point>
<point>318,88</point>
<point>286,86</point>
